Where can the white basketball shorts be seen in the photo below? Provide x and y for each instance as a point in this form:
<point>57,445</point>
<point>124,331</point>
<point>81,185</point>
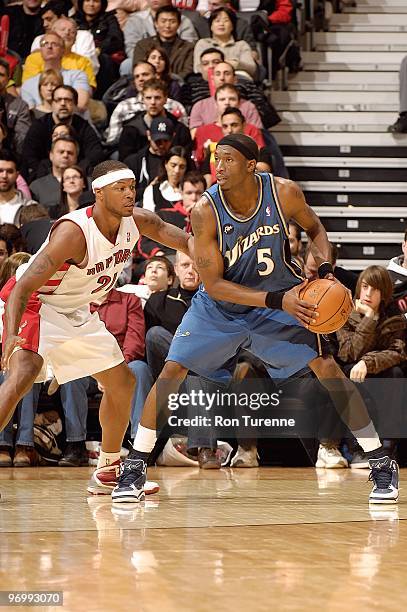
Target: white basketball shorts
<point>73,345</point>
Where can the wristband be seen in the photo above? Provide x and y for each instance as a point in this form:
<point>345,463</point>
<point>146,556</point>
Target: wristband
<point>324,269</point>
<point>274,299</point>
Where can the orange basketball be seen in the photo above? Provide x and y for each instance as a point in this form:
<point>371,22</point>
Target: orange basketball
<point>333,301</point>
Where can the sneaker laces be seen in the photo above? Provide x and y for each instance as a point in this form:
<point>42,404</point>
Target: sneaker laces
<point>131,470</point>
<point>381,477</point>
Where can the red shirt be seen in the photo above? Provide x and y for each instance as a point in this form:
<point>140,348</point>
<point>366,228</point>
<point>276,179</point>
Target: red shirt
<point>124,318</point>
<point>282,12</point>
<point>213,132</point>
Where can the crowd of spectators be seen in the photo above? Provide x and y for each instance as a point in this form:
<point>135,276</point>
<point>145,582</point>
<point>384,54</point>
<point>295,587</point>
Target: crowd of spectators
<point>156,87</point>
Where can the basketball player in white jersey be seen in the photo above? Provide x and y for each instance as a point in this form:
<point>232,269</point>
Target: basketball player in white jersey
<point>47,318</point>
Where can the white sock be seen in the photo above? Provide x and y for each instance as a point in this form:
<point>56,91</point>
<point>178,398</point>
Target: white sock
<point>145,439</point>
<point>107,458</point>
<point>367,438</point>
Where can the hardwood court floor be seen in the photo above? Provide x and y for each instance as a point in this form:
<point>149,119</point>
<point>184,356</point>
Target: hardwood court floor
<point>234,540</point>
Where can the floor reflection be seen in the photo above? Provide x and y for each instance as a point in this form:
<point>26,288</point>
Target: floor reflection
<point>275,539</point>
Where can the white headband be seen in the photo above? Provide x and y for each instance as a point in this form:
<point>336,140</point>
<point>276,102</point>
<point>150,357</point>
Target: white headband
<point>112,177</point>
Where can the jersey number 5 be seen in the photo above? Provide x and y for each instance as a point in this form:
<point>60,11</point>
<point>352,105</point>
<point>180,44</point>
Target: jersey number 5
<point>264,259</point>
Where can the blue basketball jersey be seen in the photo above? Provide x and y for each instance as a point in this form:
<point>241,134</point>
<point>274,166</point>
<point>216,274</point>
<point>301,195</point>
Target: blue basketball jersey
<point>255,250</point>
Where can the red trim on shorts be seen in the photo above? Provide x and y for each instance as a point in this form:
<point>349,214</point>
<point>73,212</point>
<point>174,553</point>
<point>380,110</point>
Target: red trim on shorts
<point>65,267</point>
<point>7,288</point>
<point>30,323</point>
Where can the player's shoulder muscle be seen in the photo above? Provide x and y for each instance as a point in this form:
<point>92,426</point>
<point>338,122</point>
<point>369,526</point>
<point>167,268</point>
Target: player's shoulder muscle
<point>203,219</point>
<point>68,238</point>
<point>290,196</point>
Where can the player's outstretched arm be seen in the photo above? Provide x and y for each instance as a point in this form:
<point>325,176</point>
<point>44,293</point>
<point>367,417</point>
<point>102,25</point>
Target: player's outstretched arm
<point>295,207</point>
<point>67,243</point>
<point>150,225</point>
<point>209,262</point>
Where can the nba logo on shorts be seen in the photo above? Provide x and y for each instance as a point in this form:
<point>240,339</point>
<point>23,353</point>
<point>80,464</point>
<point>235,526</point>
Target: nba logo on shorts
<point>128,236</point>
<point>268,211</point>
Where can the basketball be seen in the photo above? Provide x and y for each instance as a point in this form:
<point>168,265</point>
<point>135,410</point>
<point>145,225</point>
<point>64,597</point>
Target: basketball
<point>333,301</point>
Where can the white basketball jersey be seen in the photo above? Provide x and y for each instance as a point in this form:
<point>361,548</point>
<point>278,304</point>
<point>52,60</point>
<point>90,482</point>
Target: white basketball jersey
<point>74,286</point>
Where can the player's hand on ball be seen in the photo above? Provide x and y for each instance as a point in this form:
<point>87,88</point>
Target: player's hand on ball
<point>358,372</point>
<point>333,278</point>
<point>305,312</point>
<point>10,344</point>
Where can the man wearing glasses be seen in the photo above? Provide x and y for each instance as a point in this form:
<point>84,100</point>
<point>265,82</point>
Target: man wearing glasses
<point>37,144</point>
<point>52,49</point>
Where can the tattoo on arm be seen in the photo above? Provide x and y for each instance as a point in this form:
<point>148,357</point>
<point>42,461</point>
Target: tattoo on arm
<point>197,227</point>
<point>153,220</point>
<point>173,232</point>
<point>40,264</point>
<point>203,263</point>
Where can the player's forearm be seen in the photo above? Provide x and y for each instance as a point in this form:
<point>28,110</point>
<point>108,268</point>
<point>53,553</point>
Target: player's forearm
<point>176,239</point>
<point>151,226</point>
<point>320,247</point>
<point>236,294</point>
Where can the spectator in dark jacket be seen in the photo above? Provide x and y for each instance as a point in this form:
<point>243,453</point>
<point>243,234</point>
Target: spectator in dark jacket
<point>134,134</point>
<point>278,34</point>
<point>35,226</point>
<point>109,41</point>
<point>47,189</point>
<point>37,143</point>
<point>180,52</point>
<point>14,112</point>
<point>164,310</point>
<point>372,344</point>
<point>196,86</point>
<point>25,25</point>
<point>148,163</point>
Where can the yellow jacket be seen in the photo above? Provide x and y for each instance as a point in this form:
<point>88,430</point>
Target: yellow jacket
<point>34,64</point>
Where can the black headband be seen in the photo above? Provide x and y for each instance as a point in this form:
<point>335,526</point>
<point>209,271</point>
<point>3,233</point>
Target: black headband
<point>239,146</point>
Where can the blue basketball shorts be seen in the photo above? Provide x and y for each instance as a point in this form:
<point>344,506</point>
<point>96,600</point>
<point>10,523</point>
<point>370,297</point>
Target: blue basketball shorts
<point>209,336</point>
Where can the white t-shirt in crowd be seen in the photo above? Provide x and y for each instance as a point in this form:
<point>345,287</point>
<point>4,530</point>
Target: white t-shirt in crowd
<point>10,211</point>
<point>168,192</point>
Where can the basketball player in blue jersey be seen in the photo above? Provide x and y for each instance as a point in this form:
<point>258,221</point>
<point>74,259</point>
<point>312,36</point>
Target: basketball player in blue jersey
<point>250,300</point>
